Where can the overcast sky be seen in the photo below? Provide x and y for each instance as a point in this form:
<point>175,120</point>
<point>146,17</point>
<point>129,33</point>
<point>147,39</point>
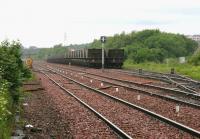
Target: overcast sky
<point>43,23</point>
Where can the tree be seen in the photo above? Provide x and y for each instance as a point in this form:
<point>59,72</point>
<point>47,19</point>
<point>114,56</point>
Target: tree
<point>12,68</point>
<point>150,45</point>
<point>195,59</point>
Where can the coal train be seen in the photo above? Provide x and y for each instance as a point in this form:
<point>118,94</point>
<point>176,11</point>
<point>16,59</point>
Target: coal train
<point>91,57</point>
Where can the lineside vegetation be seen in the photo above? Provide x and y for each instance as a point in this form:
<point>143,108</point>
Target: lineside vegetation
<point>12,74</point>
<point>157,51</point>
<point>150,45</point>
<point>144,48</point>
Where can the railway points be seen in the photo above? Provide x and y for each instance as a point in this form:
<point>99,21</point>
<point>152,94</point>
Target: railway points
<point>66,73</point>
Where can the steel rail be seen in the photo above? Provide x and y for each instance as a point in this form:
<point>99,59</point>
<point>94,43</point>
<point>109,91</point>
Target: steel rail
<point>148,92</point>
<point>153,114</point>
<point>162,77</point>
<point>181,86</point>
<point>151,75</point>
<point>139,84</point>
<point>175,76</point>
<point>169,78</point>
<point>115,128</point>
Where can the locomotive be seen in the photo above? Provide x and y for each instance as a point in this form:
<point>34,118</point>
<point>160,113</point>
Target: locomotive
<point>91,57</point>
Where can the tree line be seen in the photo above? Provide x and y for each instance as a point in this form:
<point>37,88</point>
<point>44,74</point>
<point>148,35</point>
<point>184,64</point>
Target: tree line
<point>57,50</point>
<point>150,45</point>
<point>142,46</point>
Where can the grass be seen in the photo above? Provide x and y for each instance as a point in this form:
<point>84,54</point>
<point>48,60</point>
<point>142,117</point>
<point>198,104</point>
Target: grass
<point>7,120</point>
<point>183,69</point>
<point>6,116</point>
<point>6,128</point>
<point>33,77</point>
<point>8,108</point>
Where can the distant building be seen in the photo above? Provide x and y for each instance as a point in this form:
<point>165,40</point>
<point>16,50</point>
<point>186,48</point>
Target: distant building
<point>194,37</point>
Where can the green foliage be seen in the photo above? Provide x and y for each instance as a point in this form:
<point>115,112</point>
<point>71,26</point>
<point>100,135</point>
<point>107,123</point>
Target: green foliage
<point>12,73</point>
<point>117,41</point>
<point>12,68</point>
<point>184,69</point>
<point>5,113</point>
<point>56,51</point>
<point>195,59</point>
<point>150,45</point>
<point>147,45</point>
<point>4,97</point>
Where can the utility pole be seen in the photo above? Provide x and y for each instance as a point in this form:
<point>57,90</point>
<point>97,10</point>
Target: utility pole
<point>102,56</point>
<point>103,41</point>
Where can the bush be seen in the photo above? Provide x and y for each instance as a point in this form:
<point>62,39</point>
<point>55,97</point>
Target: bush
<point>11,65</point>
<point>12,73</point>
<point>195,59</point>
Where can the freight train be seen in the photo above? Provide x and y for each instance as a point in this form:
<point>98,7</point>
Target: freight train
<point>113,58</point>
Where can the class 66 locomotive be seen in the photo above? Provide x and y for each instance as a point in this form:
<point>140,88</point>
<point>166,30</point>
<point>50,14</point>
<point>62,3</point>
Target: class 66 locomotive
<point>91,57</point>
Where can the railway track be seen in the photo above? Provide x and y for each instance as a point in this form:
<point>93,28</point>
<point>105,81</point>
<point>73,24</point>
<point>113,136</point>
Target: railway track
<point>165,77</point>
<point>115,128</point>
<point>194,103</point>
<point>180,81</point>
<point>154,104</point>
<point>82,123</point>
<point>153,90</point>
<point>164,119</point>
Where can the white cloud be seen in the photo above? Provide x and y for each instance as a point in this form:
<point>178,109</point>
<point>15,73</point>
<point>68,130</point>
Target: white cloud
<point>43,22</point>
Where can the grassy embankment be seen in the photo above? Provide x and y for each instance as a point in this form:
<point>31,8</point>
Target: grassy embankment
<point>183,69</point>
